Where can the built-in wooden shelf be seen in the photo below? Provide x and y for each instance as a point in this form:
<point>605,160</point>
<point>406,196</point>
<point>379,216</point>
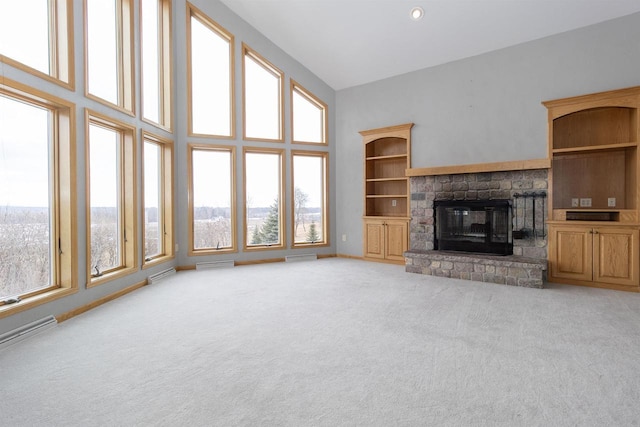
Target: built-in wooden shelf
<point>387,154</point>
<point>395,156</point>
<point>606,147</point>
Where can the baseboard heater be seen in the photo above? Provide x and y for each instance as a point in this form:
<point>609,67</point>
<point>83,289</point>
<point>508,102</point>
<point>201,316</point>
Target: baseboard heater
<point>154,278</point>
<point>215,264</point>
<point>301,257</point>
<point>26,331</point>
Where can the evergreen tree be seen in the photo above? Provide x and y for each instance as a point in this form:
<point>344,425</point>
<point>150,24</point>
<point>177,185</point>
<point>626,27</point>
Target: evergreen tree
<point>312,235</point>
<point>256,239</point>
<point>270,231</point>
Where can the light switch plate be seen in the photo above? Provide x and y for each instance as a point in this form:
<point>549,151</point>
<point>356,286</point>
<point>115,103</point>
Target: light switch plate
<point>585,202</point>
<point>611,202</point>
<point>575,202</point>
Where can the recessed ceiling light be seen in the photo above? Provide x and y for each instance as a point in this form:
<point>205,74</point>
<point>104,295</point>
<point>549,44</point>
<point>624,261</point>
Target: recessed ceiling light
<point>417,13</point>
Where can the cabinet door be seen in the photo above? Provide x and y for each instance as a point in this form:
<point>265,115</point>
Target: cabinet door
<point>374,239</point>
<point>571,252</point>
<point>396,239</point>
<point>615,256</point>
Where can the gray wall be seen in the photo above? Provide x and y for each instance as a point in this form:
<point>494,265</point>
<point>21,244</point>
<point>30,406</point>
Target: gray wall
<point>243,33</point>
<point>481,109</point>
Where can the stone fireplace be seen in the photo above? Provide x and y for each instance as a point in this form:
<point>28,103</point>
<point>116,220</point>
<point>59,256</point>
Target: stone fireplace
<point>526,266</point>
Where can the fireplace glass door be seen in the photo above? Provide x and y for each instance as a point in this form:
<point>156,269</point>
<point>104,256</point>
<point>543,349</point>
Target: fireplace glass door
<point>474,226</point>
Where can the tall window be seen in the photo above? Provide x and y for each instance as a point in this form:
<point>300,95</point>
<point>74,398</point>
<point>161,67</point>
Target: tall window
<point>37,221</point>
<point>36,35</point>
<point>210,68</point>
<point>262,94</point>
<point>309,197</point>
<point>308,116</point>
<point>155,16</point>
<point>158,198</point>
<point>109,51</point>
<point>263,180</point>
<point>212,201</point>
<point>111,186</point>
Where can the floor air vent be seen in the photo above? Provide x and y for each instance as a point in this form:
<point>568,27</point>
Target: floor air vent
<point>161,275</point>
<point>215,264</point>
<point>27,331</point>
<point>301,257</point>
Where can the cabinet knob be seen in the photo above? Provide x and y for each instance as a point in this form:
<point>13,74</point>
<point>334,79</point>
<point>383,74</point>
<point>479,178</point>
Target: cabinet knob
<point>595,231</point>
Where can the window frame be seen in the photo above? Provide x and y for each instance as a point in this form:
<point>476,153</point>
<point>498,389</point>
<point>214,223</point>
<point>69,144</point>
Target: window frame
<point>325,198</point>
<point>166,199</point>
<point>128,196</point>
<point>300,90</point>
<point>276,72</point>
<point>281,198</point>
<point>61,47</point>
<point>191,147</point>
<point>125,58</point>
<point>194,12</point>
<point>64,211</point>
<point>165,67</point>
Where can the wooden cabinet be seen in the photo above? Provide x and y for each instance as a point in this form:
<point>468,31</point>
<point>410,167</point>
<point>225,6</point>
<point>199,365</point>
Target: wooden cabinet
<point>594,255</point>
<point>570,253</point>
<point>615,256</point>
<point>386,239</point>
<point>593,189</point>
<point>387,156</point>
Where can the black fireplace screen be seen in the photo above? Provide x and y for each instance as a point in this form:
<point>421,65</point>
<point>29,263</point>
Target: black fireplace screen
<point>474,226</point>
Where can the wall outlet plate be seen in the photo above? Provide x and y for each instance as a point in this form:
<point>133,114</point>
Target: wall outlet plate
<point>585,202</point>
<point>611,202</point>
<point>575,202</point>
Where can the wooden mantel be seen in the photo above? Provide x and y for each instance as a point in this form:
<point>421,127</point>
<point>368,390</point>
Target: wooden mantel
<point>481,167</point>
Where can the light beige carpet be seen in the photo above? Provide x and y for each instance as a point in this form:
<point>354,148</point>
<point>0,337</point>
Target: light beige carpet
<point>333,342</point>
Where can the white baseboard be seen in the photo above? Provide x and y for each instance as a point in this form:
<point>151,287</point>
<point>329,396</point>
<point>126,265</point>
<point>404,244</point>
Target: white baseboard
<point>154,278</point>
<point>215,264</point>
<point>301,257</point>
<point>27,331</point>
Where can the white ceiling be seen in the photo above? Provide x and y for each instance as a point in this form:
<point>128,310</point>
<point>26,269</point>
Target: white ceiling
<point>351,42</point>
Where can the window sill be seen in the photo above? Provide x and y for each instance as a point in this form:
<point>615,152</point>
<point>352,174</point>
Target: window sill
<point>107,277</point>
<point>157,261</point>
<point>264,248</point>
<point>309,245</point>
<point>212,252</point>
<point>34,301</point>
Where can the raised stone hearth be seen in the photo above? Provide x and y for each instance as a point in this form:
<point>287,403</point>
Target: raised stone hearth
<point>505,270</point>
<point>528,264</point>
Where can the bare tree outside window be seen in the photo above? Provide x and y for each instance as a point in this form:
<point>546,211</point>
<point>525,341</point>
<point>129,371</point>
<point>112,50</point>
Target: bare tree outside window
<point>25,207</point>
<point>309,170</point>
<point>300,199</point>
<point>153,212</point>
<point>212,198</point>
<point>105,195</point>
